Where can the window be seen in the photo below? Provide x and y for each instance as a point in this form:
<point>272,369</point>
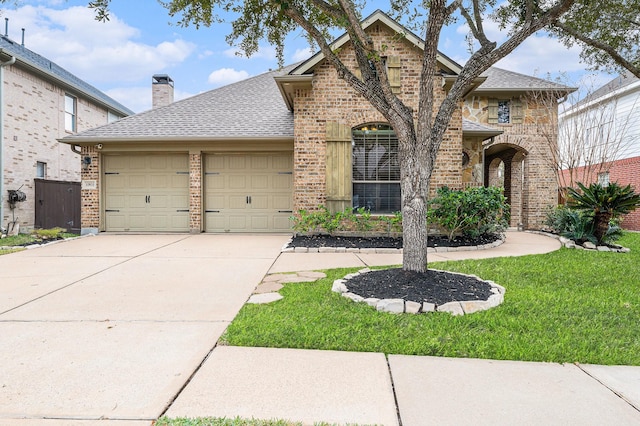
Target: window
<point>41,170</point>
<point>504,112</point>
<point>375,168</point>
<point>112,116</point>
<point>603,179</point>
<point>69,113</point>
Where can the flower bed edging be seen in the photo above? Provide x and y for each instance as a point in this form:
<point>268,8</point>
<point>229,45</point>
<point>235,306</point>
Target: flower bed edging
<point>399,306</point>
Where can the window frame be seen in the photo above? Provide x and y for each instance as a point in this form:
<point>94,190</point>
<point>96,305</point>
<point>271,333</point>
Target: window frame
<point>383,172</point>
<point>41,166</point>
<point>70,117</point>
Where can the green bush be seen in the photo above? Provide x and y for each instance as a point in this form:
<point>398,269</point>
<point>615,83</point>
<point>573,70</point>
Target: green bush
<point>360,220</point>
<point>471,212</point>
<point>579,225</point>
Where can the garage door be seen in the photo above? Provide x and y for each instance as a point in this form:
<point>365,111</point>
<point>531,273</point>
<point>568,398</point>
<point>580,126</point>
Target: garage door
<point>146,192</point>
<point>248,193</point>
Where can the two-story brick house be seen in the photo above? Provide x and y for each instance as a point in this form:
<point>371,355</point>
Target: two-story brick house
<point>244,157</point>
<point>40,102</point>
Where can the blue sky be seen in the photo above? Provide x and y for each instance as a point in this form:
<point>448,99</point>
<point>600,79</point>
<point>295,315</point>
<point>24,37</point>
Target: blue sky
<point>120,56</point>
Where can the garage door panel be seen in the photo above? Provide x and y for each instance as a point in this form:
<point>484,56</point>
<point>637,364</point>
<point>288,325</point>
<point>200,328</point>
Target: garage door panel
<point>260,182</point>
<point>282,202</point>
<point>259,202</point>
<point>237,182</point>
<point>260,223</point>
<point>260,163</point>
<point>281,223</point>
<point>236,202</point>
<point>237,163</point>
<point>282,182</point>
<point>238,222</point>
<point>249,191</point>
<point>147,190</point>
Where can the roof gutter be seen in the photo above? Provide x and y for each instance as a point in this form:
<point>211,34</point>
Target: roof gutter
<point>11,61</point>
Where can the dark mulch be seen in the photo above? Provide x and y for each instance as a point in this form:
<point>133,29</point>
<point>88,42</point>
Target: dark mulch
<point>384,242</point>
<point>432,286</point>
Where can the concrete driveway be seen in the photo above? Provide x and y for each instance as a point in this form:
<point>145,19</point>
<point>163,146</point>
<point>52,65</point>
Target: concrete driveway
<point>113,326</point>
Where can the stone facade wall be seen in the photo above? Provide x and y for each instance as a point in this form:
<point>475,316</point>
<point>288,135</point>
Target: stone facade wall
<point>33,121</point>
<point>332,100</point>
<point>533,140</point>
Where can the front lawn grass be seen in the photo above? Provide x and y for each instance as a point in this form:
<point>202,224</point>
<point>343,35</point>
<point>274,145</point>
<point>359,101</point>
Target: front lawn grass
<point>223,421</point>
<point>566,306</point>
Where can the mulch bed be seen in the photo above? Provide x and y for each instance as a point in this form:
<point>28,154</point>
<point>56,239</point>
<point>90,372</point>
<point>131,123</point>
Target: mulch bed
<point>384,242</point>
<point>433,286</point>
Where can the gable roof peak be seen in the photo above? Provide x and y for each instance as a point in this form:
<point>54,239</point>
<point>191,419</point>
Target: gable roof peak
<point>377,16</point>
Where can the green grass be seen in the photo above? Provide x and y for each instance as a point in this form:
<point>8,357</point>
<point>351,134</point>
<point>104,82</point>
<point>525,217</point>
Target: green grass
<point>565,306</point>
<point>37,236</point>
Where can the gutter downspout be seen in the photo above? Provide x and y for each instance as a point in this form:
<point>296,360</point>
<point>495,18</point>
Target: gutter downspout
<point>11,61</point>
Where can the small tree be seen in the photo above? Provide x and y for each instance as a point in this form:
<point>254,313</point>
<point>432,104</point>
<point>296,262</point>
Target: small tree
<point>590,134</point>
<point>604,203</point>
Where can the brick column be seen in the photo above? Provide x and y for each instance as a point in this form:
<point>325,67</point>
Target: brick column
<point>90,193</point>
<point>195,192</point>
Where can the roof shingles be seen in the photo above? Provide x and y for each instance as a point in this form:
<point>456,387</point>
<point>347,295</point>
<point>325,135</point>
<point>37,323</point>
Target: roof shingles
<point>251,108</point>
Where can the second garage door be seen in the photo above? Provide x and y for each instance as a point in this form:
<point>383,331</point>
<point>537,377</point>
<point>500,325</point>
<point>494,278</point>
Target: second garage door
<point>248,192</point>
<point>147,192</point>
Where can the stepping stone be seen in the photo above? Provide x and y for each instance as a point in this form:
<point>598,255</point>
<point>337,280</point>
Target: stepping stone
<point>312,274</point>
<point>297,279</point>
<point>268,287</point>
<point>264,298</point>
<point>277,277</point>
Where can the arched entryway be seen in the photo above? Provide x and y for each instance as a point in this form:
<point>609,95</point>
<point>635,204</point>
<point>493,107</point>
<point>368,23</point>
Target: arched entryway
<point>505,166</point>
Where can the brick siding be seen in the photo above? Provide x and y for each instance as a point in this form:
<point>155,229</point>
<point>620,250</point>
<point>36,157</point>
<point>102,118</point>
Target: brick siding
<point>33,121</point>
<point>623,172</point>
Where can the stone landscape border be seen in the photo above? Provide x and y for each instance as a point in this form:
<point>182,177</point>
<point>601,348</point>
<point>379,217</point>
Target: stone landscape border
<point>589,246</point>
<point>287,249</point>
<point>399,306</point>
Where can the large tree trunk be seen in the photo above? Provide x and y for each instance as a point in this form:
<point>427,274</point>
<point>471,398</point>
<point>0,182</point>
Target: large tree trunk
<point>414,178</point>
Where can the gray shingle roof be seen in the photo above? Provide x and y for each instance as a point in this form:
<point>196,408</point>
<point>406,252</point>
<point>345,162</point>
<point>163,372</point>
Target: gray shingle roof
<point>252,108</point>
<point>56,72</point>
<point>499,79</point>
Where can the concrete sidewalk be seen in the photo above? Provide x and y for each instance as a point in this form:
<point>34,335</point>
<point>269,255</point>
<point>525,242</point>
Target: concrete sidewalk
<point>116,330</point>
<point>368,388</point>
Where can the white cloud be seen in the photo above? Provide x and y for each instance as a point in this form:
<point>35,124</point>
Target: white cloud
<point>97,50</point>
<point>540,54</point>
<point>302,54</point>
<point>226,76</point>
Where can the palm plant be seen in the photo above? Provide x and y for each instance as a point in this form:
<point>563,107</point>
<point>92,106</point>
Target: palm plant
<point>603,203</point>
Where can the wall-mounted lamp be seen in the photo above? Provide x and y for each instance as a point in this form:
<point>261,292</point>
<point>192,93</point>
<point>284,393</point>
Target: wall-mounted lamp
<point>86,161</point>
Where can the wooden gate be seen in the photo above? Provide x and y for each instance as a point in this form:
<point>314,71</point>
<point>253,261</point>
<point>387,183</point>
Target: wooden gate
<point>57,205</point>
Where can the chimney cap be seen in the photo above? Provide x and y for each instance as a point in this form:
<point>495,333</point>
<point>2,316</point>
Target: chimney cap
<point>162,79</point>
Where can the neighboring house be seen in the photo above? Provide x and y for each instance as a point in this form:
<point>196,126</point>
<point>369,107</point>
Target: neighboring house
<point>40,103</point>
<point>245,157</point>
<point>607,126</point>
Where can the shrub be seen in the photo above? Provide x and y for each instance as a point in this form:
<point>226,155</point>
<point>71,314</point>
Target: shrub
<point>471,212</point>
<point>360,220</point>
<point>603,204</point>
<point>557,219</point>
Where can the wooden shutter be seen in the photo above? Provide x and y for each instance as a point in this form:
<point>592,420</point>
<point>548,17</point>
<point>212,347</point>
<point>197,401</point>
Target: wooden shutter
<point>516,111</point>
<point>493,110</point>
<point>338,171</point>
<point>393,71</point>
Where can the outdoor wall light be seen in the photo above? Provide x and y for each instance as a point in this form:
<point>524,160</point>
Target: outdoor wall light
<point>86,161</point>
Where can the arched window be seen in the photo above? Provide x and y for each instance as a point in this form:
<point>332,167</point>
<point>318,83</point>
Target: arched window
<point>376,171</point>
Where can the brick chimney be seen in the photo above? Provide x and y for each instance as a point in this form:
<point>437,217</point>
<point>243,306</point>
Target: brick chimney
<point>161,90</point>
